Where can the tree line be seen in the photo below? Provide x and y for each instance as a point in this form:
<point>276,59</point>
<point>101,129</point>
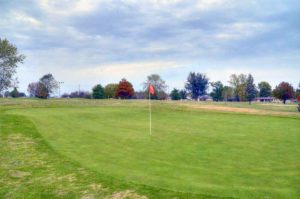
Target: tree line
<point>47,85</point>
<point>240,87</point>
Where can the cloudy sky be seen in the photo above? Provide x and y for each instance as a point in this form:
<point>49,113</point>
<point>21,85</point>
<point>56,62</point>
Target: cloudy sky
<point>101,41</point>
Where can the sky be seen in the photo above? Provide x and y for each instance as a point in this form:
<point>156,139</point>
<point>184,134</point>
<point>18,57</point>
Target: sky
<point>87,42</point>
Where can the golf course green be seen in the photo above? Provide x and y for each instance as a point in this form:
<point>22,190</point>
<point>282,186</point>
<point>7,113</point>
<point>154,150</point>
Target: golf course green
<point>192,153</point>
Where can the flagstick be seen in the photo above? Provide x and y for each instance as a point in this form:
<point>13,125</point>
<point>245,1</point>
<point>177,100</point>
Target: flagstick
<point>150,113</point>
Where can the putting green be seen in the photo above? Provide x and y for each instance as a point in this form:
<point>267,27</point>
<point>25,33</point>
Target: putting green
<point>221,154</point>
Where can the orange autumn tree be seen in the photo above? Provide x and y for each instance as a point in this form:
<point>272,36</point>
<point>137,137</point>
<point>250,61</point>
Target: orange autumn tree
<point>125,90</point>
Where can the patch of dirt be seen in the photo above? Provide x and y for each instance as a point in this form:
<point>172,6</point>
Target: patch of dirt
<point>68,178</point>
<point>18,174</point>
<point>283,105</point>
<point>127,195</point>
<point>82,171</point>
<point>88,197</point>
<point>237,110</point>
<point>94,189</point>
<point>97,187</point>
<point>61,192</point>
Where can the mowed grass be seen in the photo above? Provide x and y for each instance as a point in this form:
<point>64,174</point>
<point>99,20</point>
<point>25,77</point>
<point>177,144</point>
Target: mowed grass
<point>190,151</point>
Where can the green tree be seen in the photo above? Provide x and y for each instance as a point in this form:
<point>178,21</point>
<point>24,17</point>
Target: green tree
<point>41,91</point>
<point>217,91</point>
<point>284,91</point>
<point>110,90</point>
<point>250,90</point>
<point>9,60</point>
<point>161,95</point>
<point>159,85</point>
<point>197,84</point>
<point>227,93</point>
<point>14,93</point>
<point>183,94</point>
<point>125,90</point>
<point>98,92</point>
<point>6,94</point>
<point>51,85</point>
<point>238,83</point>
<point>32,89</point>
<point>265,89</point>
<point>175,95</point>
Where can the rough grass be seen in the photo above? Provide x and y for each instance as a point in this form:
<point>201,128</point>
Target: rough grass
<point>101,149</point>
<point>29,168</point>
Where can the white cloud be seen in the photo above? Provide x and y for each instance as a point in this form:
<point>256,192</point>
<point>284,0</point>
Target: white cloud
<point>89,76</point>
<point>240,30</point>
<point>210,4</point>
<point>272,75</point>
<point>68,7</point>
<point>87,41</point>
<point>25,19</point>
<point>117,71</point>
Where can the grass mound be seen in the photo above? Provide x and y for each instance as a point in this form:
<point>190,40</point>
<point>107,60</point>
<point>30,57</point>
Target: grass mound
<point>103,150</point>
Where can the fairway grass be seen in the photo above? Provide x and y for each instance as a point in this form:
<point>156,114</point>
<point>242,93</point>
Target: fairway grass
<point>192,153</point>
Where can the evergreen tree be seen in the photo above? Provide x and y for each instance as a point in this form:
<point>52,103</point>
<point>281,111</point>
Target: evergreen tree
<point>182,94</point>
<point>98,92</point>
<point>250,90</point>
<point>14,93</point>
<point>175,95</point>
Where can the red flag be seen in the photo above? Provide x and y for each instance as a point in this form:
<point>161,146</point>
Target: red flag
<point>151,89</point>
